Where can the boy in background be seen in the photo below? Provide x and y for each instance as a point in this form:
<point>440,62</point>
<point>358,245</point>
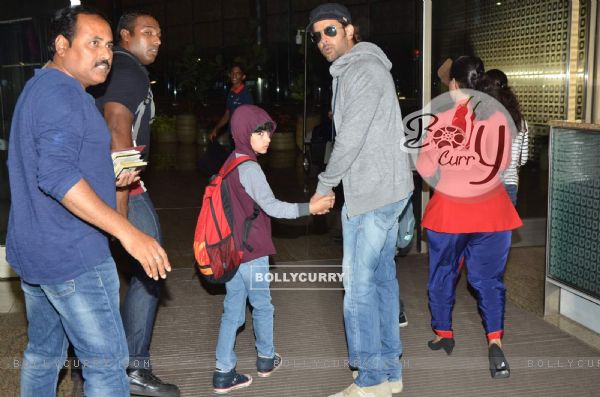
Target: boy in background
<point>238,95</point>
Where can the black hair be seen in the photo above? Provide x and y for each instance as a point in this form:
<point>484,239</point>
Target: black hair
<point>268,126</point>
<point>127,21</point>
<point>64,23</point>
<point>495,83</point>
<point>239,66</point>
<point>356,37</point>
<point>466,71</point>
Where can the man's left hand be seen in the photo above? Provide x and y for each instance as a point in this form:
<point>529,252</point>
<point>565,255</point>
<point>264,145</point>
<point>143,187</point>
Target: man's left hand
<point>127,178</point>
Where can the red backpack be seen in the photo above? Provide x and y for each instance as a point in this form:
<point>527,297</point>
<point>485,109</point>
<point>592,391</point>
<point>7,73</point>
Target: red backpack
<point>218,254</point>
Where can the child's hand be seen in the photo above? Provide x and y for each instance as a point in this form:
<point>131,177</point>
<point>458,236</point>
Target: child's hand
<point>320,205</point>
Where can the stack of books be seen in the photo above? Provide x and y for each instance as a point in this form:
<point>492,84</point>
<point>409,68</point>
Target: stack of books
<point>128,160</point>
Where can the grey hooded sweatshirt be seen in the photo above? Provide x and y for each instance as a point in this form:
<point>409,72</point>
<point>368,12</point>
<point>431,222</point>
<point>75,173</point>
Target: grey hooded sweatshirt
<point>367,154</point>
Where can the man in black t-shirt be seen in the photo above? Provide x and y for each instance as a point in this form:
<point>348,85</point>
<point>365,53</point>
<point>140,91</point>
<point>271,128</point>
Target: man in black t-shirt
<point>126,102</point>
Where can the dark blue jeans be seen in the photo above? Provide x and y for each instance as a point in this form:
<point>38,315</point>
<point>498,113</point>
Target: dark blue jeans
<point>485,255</point>
<point>139,307</point>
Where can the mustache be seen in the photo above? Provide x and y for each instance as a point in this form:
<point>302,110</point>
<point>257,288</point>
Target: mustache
<point>103,62</point>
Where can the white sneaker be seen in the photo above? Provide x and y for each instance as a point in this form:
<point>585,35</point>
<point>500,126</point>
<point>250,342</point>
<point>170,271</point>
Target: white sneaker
<point>396,386</point>
<point>380,390</point>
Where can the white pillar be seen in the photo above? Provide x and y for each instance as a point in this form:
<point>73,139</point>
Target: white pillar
<point>426,91</point>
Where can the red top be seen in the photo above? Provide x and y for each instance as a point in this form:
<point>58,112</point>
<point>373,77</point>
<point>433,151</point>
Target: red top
<point>469,196</point>
<point>493,213</point>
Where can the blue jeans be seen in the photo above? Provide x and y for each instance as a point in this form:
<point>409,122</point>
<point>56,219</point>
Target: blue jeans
<point>84,311</point>
<point>141,299</point>
<point>371,301</point>
<point>249,282</point>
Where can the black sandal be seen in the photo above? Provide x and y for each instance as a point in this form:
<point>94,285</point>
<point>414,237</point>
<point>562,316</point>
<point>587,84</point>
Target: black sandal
<point>498,365</point>
<point>445,343</point>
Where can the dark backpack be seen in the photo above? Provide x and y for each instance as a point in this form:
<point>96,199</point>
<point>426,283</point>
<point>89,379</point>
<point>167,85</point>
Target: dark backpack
<point>218,254</point>
<point>406,229</point>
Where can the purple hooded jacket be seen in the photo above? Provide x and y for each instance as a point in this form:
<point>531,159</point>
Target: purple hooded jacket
<point>244,121</point>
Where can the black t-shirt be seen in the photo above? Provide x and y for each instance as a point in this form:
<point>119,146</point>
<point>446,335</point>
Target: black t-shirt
<point>129,85</point>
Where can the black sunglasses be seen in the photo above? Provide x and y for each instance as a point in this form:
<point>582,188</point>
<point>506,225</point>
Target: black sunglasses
<point>330,31</point>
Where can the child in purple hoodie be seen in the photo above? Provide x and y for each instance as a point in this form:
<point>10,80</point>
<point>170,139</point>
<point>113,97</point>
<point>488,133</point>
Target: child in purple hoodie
<point>252,129</point>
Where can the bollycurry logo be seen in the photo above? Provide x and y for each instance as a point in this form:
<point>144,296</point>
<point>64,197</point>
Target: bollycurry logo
<point>299,276</point>
<point>460,142</point>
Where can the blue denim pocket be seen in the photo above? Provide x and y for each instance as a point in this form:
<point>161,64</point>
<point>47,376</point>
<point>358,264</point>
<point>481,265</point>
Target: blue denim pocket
<point>60,290</point>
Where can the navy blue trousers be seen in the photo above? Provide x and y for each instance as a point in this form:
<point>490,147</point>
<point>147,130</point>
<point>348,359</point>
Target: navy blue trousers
<point>485,255</point>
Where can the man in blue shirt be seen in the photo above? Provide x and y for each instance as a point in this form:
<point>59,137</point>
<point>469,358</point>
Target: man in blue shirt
<point>63,199</point>
<point>238,95</point>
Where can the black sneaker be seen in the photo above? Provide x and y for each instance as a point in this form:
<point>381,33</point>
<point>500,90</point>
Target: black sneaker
<point>142,382</point>
<point>266,366</point>
<point>403,320</point>
<point>224,382</point>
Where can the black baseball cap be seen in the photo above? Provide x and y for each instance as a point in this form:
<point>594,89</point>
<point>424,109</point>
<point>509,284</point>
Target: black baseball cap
<point>329,11</point>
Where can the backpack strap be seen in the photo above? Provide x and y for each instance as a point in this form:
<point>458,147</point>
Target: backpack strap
<point>225,170</point>
<point>141,108</point>
<point>248,222</point>
<point>139,113</point>
<point>248,225</point>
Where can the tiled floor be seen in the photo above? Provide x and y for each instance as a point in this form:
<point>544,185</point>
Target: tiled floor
<point>309,334</point>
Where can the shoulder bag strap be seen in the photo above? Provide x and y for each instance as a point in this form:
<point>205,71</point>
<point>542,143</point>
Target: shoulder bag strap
<point>141,109</point>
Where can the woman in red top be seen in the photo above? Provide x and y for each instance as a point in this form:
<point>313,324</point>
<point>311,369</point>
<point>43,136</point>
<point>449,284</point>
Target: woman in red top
<point>470,217</point>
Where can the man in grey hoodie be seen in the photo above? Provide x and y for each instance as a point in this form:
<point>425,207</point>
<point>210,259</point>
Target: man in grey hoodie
<point>368,158</point>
